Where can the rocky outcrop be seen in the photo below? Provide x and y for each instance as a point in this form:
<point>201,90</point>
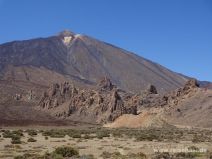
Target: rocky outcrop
<point>180,94</point>
<point>107,102</point>
<point>190,85</point>
<point>102,105</point>
<point>105,84</point>
<point>149,98</point>
<point>176,107</point>
<point>151,89</point>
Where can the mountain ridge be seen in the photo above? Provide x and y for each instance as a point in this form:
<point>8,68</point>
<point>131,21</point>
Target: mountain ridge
<point>89,59</point>
<point>57,79</point>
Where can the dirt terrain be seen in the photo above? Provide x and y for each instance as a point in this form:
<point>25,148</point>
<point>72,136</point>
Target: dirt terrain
<point>122,142</point>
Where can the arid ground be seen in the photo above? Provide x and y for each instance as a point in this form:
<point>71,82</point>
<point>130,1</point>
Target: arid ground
<point>104,143</point>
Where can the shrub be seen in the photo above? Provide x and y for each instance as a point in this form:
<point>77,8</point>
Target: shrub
<point>31,140</point>
<point>197,138</point>
<point>87,136</point>
<point>52,156</point>
<point>189,155</point>
<point>76,135</point>
<point>66,151</point>
<point>54,133</point>
<point>117,134</point>
<point>118,155</point>
<point>29,156</point>
<point>10,134</point>
<point>163,155</point>
<point>102,134</point>
<point>7,134</point>
<point>87,157</point>
<point>19,157</point>
<point>16,140</point>
<point>32,132</point>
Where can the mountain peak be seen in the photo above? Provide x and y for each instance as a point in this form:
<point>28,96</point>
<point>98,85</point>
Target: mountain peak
<point>66,33</point>
<point>66,36</point>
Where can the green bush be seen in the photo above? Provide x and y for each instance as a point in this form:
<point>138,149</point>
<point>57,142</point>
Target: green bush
<point>118,155</point>
<point>16,140</point>
<point>32,132</point>
<point>19,157</point>
<point>10,134</point>
<point>117,134</point>
<point>7,134</point>
<point>58,153</point>
<point>54,133</point>
<point>164,155</point>
<point>87,136</point>
<point>66,151</point>
<point>76,135</point>
<point>31,140</point>
<point>102,134</point>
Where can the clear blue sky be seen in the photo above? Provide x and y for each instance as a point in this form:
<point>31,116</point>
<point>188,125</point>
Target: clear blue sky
<point>175,33</point>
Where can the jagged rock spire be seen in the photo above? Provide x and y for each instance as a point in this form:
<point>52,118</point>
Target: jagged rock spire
<point>105,84</point>
<point>192,83</point>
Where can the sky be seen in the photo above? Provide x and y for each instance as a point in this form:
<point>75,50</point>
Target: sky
<point>174,33</point>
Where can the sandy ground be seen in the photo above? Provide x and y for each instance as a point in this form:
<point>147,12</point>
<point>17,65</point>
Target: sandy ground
<point>90,146</point>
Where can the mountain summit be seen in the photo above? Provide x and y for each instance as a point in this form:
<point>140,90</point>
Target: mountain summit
<point>66,33</point>
<point>73,77</point>
<point>82,60</point>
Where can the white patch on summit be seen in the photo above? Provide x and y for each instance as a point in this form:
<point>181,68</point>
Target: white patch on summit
<point>67,40</point>
<point>77,35</point>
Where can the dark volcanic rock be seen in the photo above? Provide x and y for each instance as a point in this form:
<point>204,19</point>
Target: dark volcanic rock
<point>151,89</point>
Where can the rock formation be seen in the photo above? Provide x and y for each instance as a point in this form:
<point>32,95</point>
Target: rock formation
<point>107,102</point>
<point>102,105</point>
<point>105,84</point>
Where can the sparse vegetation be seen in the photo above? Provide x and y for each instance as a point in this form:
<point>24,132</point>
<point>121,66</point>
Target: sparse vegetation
<point>188,155</point>
<point>118,155</point>
<point>102,134</point>
<point>54,133</point>
<point>11,134</point>
<point>58,153</point>
<point>131,137</point>
<point>32,132</point>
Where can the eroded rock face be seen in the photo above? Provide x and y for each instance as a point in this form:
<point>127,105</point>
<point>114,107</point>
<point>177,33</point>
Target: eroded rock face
<point>149,98</point>
<point>106,103</point>
<point>191,84</point>
<point>103,105</point>
<point>105,84</point>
